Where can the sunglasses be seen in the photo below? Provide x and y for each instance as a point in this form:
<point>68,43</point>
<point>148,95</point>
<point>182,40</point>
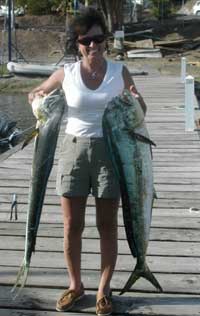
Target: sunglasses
<point>86,41</point>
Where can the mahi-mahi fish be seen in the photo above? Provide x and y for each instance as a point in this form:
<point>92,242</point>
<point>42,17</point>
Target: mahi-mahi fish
<point>129,147</point>
<point>48,111</point>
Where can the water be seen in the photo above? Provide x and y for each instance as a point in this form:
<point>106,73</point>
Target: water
<point>18,109</point>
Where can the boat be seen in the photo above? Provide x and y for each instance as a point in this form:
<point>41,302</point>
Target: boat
<point>4,11</point>
<point>32,69</point>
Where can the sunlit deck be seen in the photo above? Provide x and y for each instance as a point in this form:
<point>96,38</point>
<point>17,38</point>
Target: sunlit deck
<point>174,247</point>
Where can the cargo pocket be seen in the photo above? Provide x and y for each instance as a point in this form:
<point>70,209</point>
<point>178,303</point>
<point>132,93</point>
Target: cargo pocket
<point>67,157</point>
<point>66,164</point>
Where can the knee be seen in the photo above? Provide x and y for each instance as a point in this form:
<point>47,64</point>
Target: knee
<point>73,228</point>
<point>107,229</point>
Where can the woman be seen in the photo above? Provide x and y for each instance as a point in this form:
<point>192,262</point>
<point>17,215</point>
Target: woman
<point>83,165</point>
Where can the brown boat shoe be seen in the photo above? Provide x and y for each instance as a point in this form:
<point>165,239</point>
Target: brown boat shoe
<point>68,299</point>
<point>104,305</point>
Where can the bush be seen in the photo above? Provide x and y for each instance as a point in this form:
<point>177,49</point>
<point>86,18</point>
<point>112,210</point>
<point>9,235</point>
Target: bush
<point>38,7</point>
<point>162,8</point>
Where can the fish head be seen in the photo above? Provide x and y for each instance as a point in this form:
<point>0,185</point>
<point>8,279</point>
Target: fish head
<point>37,108</point>
<point>133,114</point>
<point>125,111</point>
<point>114,114</point>
<point>45,106</point>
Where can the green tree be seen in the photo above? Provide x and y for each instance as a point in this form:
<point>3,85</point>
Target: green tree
<point>38,7</point>
<point>113,11</point>
<point>162,8</point>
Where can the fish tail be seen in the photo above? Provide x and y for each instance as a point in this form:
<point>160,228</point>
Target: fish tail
<point>21,279</point>
<point>138,273</point>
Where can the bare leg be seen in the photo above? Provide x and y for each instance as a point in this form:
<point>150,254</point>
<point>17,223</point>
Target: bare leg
<point>74,219</point>
<point>107,227</point>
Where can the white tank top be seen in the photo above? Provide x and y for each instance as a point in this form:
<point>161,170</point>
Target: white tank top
<point>86,106</point>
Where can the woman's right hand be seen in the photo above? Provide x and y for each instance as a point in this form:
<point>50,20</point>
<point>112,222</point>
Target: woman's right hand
<point>33,94</point>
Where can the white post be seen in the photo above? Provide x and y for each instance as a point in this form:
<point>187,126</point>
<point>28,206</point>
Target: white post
<point>183,69</point>
<point>119,40</point>
<point>189,104</point>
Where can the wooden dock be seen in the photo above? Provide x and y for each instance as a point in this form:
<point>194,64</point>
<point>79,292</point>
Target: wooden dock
<point>174,247</point>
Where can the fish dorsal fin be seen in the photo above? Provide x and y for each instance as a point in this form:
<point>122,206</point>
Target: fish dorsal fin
<point>142,138</point>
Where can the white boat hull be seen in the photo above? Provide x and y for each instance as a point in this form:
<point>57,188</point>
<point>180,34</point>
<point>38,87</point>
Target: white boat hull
<point>31,69</point>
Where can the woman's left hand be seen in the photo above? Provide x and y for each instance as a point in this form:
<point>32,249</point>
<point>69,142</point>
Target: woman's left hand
<point>139,97</point>
<point>134,91</point>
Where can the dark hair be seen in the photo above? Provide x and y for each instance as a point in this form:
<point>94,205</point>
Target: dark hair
<point>89,17</point>
<point>82,23</point>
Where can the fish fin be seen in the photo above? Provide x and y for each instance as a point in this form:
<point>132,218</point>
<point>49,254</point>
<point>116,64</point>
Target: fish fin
<point>132,279</point>
<point>155,196</point>
<point>30,137</point>
<point>21,279</point>
<point>138,273</point>
<point>142,138</point>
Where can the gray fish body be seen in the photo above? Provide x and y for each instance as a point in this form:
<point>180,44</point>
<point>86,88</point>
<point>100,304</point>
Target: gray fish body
<point>136,178</point>
<point>128,144</point>
<point>44,150</point>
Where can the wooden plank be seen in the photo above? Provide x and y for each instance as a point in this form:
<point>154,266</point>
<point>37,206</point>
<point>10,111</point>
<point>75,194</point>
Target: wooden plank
<point>172,42</point>
<point>91,210</point>
<point>171,174</point>
<point>164,202</point>
<point>56,230</point>
<point>157,221</point>
<point>52,198</point>
<point>90,245</point>
<point>58,278</point>
<point>24,312</point>
<point>165,187</point>
<point>16,185</point>
<point>9,179</point>
<point>173,252</point>
<point>161,143</point>
<point>168,151</point>
<point>159,177</point>
<point>167,159</point>
<point>161,264</point>
<point>133,303</point>
<point>175,169</point>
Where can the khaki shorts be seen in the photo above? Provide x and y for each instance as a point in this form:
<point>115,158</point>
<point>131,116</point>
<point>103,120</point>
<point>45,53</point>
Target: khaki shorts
<point>84,167</point>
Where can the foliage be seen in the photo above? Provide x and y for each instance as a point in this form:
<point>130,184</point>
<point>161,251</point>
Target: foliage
<point>38,7</point>
<point>113,12</point>
<point>162,8</point>
<point>112,9</point>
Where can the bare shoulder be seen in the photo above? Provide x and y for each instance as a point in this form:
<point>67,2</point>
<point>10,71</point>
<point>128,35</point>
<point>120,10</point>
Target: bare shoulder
<point>125,72</point>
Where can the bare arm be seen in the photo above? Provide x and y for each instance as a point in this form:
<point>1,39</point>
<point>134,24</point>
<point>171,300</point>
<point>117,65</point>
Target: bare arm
<point>53,82</point>
<point>130,85</point>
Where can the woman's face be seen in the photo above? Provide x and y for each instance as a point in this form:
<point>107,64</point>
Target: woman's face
<point>92,44</point>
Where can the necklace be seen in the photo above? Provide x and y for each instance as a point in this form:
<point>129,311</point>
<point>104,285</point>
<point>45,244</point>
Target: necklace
<point>93,75</point>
